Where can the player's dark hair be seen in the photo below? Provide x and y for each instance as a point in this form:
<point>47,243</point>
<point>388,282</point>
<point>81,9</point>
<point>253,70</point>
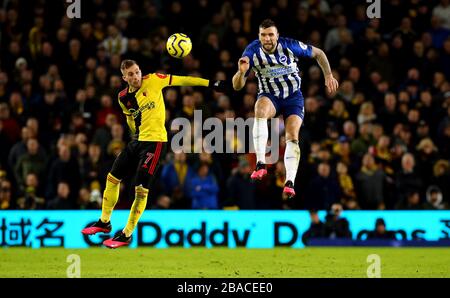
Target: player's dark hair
<point>127,64</point>
<point>267,23</point>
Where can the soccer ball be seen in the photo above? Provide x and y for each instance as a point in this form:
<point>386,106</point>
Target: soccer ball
<point>179,45</point>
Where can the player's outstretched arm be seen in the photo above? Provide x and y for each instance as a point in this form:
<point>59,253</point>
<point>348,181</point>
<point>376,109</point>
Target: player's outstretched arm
<point>331,83</point>
<point>239,78</point>
<point>193,81</point>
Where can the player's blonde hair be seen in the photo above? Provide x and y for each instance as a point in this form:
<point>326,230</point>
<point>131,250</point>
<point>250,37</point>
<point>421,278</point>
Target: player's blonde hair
<point>127,64</point>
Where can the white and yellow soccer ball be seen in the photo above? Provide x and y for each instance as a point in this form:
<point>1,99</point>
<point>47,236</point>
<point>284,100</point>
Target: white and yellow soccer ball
<point>179,45</point>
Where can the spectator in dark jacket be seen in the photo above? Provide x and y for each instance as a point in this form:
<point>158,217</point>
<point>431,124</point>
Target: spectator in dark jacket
<point>241,190</point>
<point>324,189</point>
<point>62,200</point>
<point>316,229</point>
<point>407,180</point>
<point>61,169</point>
<point>30,162</point>
<point>370,182</point>
<point>380,231</point>
<point>410,202</point>
<point>335,225</point>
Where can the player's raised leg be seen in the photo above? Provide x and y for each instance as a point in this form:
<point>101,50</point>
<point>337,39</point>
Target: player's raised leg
<point>149,154</point>
<point>110,198</point>
<point>264,109</point>
<point>292,152</point>
<point>111,194</point>
<point>123,237</point>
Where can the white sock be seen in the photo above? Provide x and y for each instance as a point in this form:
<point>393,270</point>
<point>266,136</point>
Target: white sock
<point>291,159</point>
<point>260,136</point>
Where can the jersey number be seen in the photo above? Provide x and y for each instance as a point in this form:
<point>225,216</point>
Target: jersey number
<point>149,157</point>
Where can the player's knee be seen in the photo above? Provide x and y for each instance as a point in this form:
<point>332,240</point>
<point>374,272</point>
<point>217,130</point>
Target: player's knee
<point>141,192</point>
<point>263,109</point>
<point>261,112</point>
<point>113,179</point>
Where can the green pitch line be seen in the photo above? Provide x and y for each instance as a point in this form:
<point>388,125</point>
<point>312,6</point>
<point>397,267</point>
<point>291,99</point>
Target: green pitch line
<point>218,262</point>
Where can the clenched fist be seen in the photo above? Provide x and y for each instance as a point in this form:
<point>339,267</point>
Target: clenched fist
<point>244,64</point>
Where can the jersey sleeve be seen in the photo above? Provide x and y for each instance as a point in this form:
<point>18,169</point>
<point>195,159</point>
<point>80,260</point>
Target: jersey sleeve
<point>188,81</point>
<point>249,52</point>
<point>299,48</point>
<point>166,80</point>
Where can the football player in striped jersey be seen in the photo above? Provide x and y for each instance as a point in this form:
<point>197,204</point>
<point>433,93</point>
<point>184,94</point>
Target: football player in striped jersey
<point>274,60</point>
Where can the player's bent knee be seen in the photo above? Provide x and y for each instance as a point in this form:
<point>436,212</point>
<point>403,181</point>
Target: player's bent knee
<point>113,179</point>
<point>141,192</point>
<point>264,108</point>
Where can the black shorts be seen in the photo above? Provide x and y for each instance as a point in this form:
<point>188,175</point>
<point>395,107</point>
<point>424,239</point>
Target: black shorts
<point>140,158</point>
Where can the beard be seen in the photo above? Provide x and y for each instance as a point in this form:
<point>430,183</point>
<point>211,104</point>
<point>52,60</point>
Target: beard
<point>269,47</point>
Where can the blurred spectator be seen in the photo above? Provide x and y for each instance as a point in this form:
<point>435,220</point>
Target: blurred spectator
<point>407,179</point>
<point>10,126</point>
<point>240,188</point>
<point>106,109</point>
<point>388,114</point>
<point>20,148</point>
<point>348,197</point>
<point>6,195</point>
<point>410,202</point>
<point>323,190</point>
<point>62,200</point>
<point>102,135</point>
<point>173,176</point>
<point>434,199</point>
<point>30,162</point>
<point>335,225</point>
<point>442,11</point>
<point>426,158</point>
<point>361,144</point>
<point>94,169</point>
<point>61,169</point>
<point>366,113</point>
<point>86,201</point>
<point>162,203</point>
<point>380,231</point>
<point>441,176</point>
<point>115,43</point>
<point>31,196</point>
<point>202,189</point>
<point>316,229</point>
<point>370,184</point>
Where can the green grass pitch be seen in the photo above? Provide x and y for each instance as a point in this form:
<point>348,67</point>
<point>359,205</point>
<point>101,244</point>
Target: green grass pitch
<point>224,263</point>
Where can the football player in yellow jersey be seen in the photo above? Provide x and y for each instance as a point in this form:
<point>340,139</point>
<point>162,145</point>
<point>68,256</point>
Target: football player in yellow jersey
<point>142,103</point>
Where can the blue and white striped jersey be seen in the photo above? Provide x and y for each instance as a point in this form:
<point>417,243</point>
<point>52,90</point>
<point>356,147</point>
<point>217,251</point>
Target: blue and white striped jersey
<point>277,73</point>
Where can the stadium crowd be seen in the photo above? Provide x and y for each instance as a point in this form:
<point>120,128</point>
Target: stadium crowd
<point>382,142</point>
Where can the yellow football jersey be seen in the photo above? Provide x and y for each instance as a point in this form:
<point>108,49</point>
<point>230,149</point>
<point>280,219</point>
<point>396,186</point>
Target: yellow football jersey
<point>145,108</point>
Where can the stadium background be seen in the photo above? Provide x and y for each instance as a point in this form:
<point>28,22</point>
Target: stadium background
<point>381,143</point>
<point>61,126</point>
